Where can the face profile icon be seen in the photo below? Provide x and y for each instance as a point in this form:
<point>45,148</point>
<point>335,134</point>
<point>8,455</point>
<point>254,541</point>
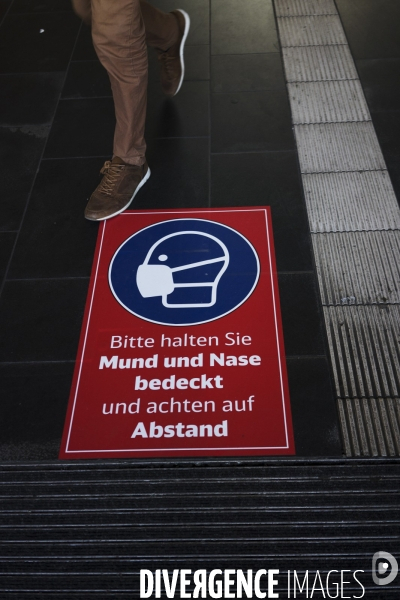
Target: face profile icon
<point>184,271</point>
<point>384,564</point>
<point>156,278</point>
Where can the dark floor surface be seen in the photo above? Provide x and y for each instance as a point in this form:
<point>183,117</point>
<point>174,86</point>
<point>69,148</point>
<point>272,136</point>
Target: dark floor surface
<point>83,531</point>
<point>225,140</point>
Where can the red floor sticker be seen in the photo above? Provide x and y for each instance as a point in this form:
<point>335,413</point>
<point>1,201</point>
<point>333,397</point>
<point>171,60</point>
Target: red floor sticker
<point>181,350</point>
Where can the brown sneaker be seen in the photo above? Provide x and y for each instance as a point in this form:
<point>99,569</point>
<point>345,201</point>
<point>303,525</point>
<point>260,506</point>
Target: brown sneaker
<point>117,189</point>
<point>171,61</point>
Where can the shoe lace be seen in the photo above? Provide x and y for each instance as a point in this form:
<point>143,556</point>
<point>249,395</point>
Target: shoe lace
<point>111,172</point>
<point>167,61</point>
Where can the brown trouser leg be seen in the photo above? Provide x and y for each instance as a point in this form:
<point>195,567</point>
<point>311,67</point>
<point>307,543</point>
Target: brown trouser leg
<point>120,30</point>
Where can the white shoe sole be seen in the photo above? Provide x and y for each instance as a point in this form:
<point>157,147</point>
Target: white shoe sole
<point>142,182</point>
<point>181,48</point>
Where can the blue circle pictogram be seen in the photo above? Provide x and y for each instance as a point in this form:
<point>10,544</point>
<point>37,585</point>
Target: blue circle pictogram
<point>184,272</point>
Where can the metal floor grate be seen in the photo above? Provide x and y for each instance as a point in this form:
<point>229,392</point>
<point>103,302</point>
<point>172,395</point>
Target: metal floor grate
<point>84,530</point>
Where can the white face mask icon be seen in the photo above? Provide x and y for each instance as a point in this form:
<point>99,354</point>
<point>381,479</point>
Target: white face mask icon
<point>154,278</point>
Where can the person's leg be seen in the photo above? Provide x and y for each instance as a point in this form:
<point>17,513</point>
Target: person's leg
<point>83,9</point>
<point>167,33</point>
<point>120,30</point>
<point>119,39</point>
<point>161,28</point>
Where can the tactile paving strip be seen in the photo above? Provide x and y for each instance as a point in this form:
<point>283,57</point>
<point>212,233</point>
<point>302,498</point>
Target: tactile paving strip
<point>311,31</point>
<point>365,350</point>
<point>336,147</point>
<point>358,267</point>
<point>295,8</point>
<point>370,426</point>
<point>327,102</point>
<point>355,222</point>
<point>351,202</point>
<point>318,63</point>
